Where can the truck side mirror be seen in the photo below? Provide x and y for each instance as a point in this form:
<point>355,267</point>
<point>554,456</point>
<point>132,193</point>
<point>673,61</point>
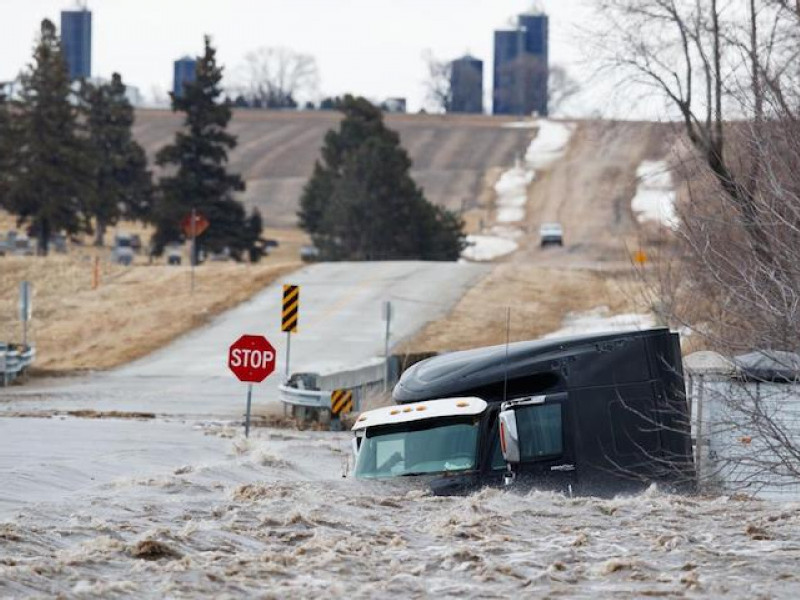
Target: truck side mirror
<point>354,444</point>
<point>509,438</point>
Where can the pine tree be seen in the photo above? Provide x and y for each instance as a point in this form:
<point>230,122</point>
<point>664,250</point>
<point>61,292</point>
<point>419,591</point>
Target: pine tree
<point>123,185</point>
<point>50,176</point>
<point>255,225</point>
<point>198,158</point>
<point>6,147</point>
<point>361,202</point>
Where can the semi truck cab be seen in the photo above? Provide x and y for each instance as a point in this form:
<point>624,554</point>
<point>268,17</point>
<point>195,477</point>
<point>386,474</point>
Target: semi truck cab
<point>595,414</point>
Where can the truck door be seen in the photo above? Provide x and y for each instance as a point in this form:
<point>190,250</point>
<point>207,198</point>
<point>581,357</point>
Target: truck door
<point>547,458</point>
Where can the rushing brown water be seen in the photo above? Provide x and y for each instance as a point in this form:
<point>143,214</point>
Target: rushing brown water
<point>275,518</point>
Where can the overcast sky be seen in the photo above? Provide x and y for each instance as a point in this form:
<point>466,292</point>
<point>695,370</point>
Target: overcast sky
<point>370,47</point>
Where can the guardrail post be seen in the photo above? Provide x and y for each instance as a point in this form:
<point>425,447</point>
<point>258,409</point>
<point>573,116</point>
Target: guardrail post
<point>387,316</point>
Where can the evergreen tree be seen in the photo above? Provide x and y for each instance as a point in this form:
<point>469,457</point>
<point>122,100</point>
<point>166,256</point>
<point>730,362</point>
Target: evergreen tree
<point>361,202</point>
<point>50,176</point>
<point>6,146</point>
<point>331,103</point>
<point>255,225</point>
<point>123,185</point>
<point>198,158</point>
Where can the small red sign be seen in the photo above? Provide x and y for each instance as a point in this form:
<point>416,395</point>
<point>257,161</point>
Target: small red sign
<point>200,225</point>
<point>252,358</point>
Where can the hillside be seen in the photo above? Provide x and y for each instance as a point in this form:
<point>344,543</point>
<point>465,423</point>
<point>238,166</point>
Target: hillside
<point>589,192</point>
<point>455,157</point>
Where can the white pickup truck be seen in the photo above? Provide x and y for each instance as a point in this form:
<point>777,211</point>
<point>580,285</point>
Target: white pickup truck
<point>551,234</point>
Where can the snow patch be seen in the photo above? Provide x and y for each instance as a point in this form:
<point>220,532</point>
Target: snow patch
<point>655,195</point>
<point>549,145</point>
<point>510,215</point>
<point>514,182</point>
<point>600,320</point>
<point>512,194</point>
<point>507,232</point>
<point>487,247</point>
<point>512,190</point>
<point>521,125</point>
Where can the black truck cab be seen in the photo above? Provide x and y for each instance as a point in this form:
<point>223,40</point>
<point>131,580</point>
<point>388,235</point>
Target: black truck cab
<point>595,414</point>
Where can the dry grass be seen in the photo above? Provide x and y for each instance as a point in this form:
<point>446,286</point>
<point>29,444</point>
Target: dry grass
<point>134,311</point>
<point>539,299</point>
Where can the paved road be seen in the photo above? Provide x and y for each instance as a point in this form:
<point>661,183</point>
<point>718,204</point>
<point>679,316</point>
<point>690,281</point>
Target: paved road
<point>340,326</point>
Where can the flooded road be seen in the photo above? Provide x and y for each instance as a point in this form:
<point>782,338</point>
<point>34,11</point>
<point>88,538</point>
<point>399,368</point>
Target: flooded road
<point>139,484</point>
<point>274,517</point>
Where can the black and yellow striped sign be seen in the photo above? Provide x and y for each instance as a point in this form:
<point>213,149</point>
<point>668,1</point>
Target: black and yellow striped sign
<point>341,402</point>
<point>291,308</point>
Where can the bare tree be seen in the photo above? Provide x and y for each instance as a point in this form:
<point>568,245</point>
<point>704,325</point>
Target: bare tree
<point>438,84</point>
<point>687,53</point>
<point>739,223</point>
<point>728,69</point>
<point>277,77</point>
<point>561,87</point>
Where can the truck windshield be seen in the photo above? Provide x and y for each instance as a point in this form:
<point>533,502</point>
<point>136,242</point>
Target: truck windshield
<point>418,448</point>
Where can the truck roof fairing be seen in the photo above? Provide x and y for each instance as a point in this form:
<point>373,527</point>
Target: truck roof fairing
<point>539,366</point>
<point>447,407</point>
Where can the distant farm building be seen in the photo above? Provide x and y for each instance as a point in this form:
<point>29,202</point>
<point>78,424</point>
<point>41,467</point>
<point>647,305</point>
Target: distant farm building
<point>521,67</point>
<point>466,85</point>
<point>76,41</point>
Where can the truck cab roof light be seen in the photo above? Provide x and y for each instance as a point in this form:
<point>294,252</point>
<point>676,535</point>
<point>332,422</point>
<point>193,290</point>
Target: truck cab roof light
<point>418,411</point>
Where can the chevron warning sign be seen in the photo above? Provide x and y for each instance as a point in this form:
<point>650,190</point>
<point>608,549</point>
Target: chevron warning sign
<point>341,402</point>
<point>291,308</point>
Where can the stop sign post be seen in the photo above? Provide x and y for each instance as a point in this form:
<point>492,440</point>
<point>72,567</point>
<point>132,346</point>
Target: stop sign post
<point>252,360</point>
<point>194,224</point>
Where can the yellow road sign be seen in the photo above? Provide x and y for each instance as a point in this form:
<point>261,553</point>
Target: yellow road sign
<point>291,308</point>
<point>341,402</point>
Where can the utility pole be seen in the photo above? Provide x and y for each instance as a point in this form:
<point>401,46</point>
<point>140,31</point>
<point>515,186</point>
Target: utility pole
<point>387,317</point>
<point>288,354</point>
<point>193,258</point>
<point>25,309</point>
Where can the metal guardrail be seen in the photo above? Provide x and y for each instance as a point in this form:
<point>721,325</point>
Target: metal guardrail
<point>14,360</point>
<point>307,398</point>
<point>360,380</point>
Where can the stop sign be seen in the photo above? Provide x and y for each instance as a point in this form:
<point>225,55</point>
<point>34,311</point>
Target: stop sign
<point>251,358</point>
<point>194,224</point>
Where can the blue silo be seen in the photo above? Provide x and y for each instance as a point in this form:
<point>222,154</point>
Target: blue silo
<point>76,42</point>
<point>536,42</point>
<point>466,85</point>
<point>184,71</point>
<point>506,50</point>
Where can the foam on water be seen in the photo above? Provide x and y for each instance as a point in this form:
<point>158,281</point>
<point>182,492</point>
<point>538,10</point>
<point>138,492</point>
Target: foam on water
<point>274,517</point>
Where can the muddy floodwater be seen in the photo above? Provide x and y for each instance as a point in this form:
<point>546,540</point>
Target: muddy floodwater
<point>273,517</point>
